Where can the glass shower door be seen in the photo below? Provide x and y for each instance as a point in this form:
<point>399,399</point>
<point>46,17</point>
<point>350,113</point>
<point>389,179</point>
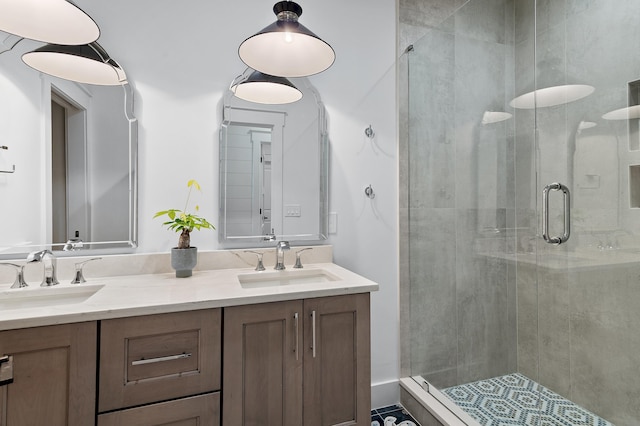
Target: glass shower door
<point>587,347</point>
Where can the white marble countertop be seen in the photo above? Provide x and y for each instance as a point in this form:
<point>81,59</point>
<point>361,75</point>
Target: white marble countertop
<point>133,295</point>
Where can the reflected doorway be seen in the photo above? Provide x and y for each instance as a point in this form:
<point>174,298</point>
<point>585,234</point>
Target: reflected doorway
<point>69,192</point>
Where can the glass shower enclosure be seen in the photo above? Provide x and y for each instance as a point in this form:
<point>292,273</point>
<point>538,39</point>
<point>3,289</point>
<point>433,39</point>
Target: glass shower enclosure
<point>520,165</point>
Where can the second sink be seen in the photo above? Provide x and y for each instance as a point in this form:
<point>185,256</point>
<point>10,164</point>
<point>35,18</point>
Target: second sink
<point>286,277</point>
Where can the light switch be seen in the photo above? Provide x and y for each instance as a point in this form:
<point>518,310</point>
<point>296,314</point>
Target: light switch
<point>292,210</point>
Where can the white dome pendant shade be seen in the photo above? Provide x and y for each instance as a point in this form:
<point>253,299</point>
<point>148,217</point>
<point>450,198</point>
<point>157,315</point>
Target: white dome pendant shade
<point>266,89</point>
<point>87,63</point>
<point>287,48</point>
<point>49,21</point>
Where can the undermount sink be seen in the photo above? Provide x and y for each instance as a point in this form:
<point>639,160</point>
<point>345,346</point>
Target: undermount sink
<point>37,297</point>
<point>286,277</point>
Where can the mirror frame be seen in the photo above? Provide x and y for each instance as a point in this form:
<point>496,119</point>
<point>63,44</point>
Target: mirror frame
<point>89,248</point>
<point>235,110</point>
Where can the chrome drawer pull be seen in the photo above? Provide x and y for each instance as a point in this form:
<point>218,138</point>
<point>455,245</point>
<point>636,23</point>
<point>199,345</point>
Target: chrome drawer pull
<point>6,370</point>
<point>160,359</point>
<point>313,333</point>
<point>295,330</point>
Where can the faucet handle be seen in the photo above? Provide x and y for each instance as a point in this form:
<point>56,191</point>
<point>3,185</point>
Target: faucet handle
<point>19,282</point>
<point>298,264</point>
<point>79,277</point>
<point>260,265</point>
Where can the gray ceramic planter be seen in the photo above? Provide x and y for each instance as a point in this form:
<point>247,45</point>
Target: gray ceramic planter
<point>183,261</point>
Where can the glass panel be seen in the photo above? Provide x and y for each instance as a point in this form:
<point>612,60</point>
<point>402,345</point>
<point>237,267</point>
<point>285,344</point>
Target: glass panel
<point>589,309</point>
<point>464,231</point>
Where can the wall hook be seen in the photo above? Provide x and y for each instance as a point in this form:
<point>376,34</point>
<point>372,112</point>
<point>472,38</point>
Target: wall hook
<point>369,132</point>
<point>13,170</point>
<point>368,191</point>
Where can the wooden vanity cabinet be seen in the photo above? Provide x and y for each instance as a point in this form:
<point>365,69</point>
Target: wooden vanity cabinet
<point>54,376</point>
<point>305,362</point>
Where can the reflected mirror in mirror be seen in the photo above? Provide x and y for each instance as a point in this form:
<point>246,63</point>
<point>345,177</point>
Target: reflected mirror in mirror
<point>74,149</point>
<point>274,167</point>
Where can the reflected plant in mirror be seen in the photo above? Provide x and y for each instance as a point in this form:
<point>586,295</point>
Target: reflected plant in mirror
<point>274,167</point>
<point>74,147</point>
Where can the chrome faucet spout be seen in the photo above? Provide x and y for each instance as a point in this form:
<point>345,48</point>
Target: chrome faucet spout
<point>49,261</point>
<point>280,248</point>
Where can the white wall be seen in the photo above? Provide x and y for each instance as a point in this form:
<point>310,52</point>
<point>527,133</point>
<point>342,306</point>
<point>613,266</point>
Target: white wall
<point>181,56</point>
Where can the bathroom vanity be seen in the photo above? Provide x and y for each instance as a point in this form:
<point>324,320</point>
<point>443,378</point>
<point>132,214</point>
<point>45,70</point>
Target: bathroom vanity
<point>229,346</point>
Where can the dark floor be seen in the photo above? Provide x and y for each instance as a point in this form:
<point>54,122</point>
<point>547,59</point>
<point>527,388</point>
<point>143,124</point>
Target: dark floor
<point>396,411</point>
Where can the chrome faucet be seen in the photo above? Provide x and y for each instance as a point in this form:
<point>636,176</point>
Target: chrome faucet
<point>280,248</point>
<point>74,243</point>
<point>49,261</point>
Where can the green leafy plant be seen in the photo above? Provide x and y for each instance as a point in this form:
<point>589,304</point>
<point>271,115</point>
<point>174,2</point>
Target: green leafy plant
<point>183,222</point>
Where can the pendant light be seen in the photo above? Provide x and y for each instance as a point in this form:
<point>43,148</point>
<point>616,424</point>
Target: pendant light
<point>287,48</point>
<point>87,63</point>
<point>49,21</point>
<point>266,89</point>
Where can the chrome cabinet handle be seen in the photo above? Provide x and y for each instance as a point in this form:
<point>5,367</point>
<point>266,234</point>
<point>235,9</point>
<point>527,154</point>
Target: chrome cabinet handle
<point>545,213</point>
<point>160,359</point>
<point>313,332</point>
<point>295,330</point>
<point>6,370</point>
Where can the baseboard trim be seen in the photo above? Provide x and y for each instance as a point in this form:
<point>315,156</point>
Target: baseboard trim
<point>384,394</point>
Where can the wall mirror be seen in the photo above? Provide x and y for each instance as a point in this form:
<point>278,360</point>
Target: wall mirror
<point>68,161</point>
<point>274,168</point>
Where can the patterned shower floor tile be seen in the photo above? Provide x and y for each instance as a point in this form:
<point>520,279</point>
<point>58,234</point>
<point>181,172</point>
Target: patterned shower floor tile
<point>515,400</point>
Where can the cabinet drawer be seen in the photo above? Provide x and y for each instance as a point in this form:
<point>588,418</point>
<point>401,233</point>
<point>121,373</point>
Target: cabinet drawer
<point>202,410</point>
<point>158,357</point>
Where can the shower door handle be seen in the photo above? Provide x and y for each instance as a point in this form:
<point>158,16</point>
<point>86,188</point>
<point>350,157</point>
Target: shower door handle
<point>545,213</point>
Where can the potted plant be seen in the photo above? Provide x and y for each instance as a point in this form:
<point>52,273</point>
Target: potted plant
<point>184,257</point>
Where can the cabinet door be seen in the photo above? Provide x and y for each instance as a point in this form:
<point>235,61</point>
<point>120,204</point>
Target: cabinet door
<point>262,378</point>
<point>202,410</point>
<point>54,376</point>
<point>337,361</point>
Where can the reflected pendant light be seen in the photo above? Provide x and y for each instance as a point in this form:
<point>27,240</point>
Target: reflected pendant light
<point>552,96</point>
<point>287,48</point>
<point>266,89</point>
<point>49,21</point>
<point>627,113</point>
<point>491,117</point>
<point>87,63</point>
